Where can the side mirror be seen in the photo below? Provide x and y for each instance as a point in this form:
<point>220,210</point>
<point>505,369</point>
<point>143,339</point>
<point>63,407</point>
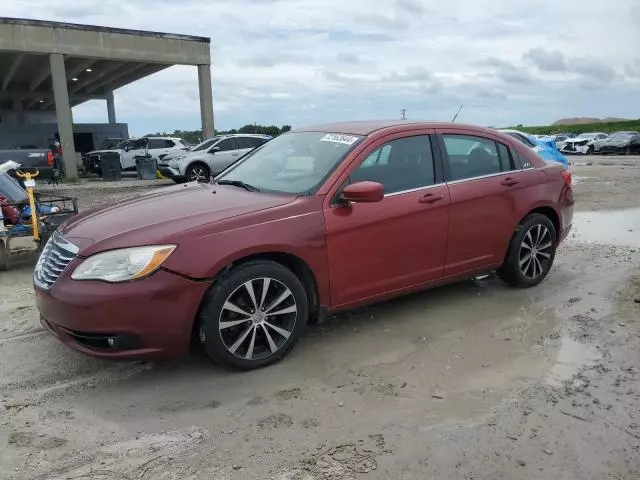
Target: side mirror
<point>214,150</point>
<point>363,192</point>
<point>126,149</point>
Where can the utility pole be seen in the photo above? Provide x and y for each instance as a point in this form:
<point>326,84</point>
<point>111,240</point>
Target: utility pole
<point>404,114</point>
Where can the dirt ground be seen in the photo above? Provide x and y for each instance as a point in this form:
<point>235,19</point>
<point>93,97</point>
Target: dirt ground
<point>469,381</point>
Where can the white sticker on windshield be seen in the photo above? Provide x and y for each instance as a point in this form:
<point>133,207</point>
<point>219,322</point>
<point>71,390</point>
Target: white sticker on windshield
<point>339,138</point>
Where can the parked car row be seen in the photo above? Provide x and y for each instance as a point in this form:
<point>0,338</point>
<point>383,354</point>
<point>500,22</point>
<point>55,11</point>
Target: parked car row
<point>209,158</point>
<point>156,147</point>
<point>545,147</point>
<point>621,143</point>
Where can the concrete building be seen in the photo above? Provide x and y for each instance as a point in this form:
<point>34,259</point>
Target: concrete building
<point>48,67</point>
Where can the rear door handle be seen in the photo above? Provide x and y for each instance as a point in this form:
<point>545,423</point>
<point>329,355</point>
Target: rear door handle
<point>430,198</point>
<point>509,182</point>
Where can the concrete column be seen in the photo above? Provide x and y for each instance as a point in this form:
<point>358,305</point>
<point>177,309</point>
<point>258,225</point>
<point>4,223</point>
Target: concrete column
<point>111,108</point>
<point>63,112</point>
<point>18,108</point>
<point>206,100</point>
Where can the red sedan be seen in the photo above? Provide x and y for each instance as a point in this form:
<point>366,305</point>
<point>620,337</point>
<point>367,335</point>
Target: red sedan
<point>314,221</point>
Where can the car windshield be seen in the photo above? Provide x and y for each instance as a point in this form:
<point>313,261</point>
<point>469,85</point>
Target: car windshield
<point>295,163</point>
<point>206,144</point>
<point>586,135</point>
<point>623,134</point>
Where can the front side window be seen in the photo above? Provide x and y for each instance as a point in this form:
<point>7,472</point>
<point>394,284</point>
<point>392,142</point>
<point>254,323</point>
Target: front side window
<point>399,165</point>
<point>296,163</point>
<point>205,145</point>
<point>226,145</point>
<point>139,144</point>
<point>470,156</point>
<point>155,143</point>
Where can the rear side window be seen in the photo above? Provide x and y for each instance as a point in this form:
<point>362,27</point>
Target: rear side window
<point>249,142</point>
<point>399,165</point>
<point>521,138</point>
<point>470,156</point>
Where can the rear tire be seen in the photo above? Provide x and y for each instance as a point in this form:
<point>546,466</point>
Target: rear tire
<point>253,315</point>
<point>531,252</point>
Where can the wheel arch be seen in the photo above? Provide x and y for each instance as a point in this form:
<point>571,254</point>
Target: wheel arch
<point>548,212</point>
<point>197,161</point>
<point>293,262</point>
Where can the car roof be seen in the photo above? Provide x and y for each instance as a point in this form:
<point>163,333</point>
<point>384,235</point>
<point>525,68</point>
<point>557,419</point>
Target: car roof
<point>254,135</point>
<point>367,127</point>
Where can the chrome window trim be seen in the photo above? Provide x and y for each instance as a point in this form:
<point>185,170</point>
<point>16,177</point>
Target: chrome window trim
<point>453,182</point>
<point>411,190</point>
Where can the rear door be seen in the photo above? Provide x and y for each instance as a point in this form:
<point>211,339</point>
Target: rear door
<point>378,248</point>
<point>485,182</point>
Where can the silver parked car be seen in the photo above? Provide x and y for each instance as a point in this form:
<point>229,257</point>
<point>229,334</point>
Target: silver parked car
<point>209,157</point>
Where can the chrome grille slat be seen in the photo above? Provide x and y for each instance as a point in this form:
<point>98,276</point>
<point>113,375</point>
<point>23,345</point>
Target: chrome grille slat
<point>54,259</point>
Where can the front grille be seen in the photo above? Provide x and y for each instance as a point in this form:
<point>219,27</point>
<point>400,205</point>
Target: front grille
<point>55,257</point>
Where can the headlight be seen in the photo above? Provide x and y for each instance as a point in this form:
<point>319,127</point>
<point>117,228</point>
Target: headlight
<point>123,265</point>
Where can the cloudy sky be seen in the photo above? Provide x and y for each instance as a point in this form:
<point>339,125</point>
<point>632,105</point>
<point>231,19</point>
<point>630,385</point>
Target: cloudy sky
<point>307,61</point>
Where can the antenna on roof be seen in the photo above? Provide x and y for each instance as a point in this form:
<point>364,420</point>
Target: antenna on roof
<point>457,113</point>
<point>404,113</point>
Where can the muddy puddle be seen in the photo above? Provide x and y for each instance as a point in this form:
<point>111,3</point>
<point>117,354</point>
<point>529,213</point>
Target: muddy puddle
<point>619,227</point>
<point>571,357</point>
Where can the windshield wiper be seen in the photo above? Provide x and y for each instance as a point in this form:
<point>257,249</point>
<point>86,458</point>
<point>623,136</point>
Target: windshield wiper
<point>238,183</point>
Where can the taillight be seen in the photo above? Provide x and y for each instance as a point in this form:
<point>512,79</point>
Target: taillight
<point>50,160</point>
<point>566,175</point>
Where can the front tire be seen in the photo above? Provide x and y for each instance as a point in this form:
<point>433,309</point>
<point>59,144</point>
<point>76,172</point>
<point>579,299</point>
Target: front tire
<point>531,252</point>
<point>198,172</point>
<point>253,315</point>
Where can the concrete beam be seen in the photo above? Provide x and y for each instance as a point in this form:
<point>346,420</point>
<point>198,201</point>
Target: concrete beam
<point>63,112</point>
<point>104,71</point>
<point>80,66</point>
<point>125,69</point>
<point>40,76</point>
<point>17,60</point>
<point>206,100</point>
<point>135,75</point>
<point>49,96</point>
<point>32,36</point>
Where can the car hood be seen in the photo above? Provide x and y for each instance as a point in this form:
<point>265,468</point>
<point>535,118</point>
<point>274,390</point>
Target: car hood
<point>576,140</point>
<point>162,215</point>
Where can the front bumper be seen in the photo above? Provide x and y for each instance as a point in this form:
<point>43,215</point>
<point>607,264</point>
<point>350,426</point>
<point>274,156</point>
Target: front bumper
<point>172,173</point>
<point>148,319</point>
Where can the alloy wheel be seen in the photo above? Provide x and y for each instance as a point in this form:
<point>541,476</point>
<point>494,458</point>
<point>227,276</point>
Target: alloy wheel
<point>257,318</point>
<point>535,251</point>
<point>198,174</point>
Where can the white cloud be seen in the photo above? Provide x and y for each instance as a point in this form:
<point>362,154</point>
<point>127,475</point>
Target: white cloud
<point>308,61</point>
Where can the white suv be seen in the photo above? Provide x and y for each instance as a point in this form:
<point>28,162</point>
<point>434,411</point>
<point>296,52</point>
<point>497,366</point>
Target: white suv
<point>156,147</point>
<point>210,157</point>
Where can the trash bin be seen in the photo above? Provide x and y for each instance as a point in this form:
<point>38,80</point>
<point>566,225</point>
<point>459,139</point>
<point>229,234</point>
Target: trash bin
<point>110,166</point>
<point>146,167</point>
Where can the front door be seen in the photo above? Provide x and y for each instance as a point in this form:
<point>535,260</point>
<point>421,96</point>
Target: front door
<point>222,154</point>
<point>484,182</point>
<point>134,148</point>
<point>378,248</point>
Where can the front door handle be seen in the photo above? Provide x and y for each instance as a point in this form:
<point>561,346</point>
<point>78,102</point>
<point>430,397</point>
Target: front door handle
<point>430,198</point>
<point>235,154</point>
<point>509,182</point>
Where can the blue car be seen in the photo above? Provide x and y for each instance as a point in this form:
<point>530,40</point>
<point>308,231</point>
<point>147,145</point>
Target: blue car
<point>545,147</point>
